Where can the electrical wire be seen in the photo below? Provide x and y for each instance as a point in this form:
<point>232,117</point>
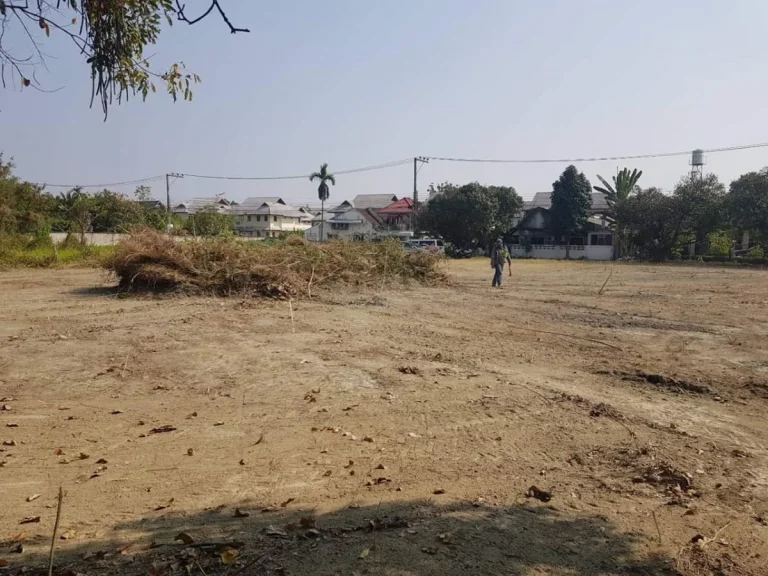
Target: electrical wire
<point>409,160</point>
<point>303,176</point>
<point>597,159</point>
<point>140,181</point>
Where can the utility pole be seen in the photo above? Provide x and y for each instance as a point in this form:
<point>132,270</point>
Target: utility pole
<point>416,161</point>
<point>168,195</point>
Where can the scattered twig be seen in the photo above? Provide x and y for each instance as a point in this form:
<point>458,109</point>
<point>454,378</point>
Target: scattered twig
<point>539,394</point>
<point>653,513</point>
<point>293,325</point>
<point>55,530</point>
<point>309,285</point>
<point>708,540</point>
<point>606,282</point>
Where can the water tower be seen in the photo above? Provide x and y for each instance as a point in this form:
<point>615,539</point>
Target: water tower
<point>697,164</point>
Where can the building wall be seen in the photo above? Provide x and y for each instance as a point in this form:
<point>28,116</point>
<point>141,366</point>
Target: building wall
<point>364,231</point>
<point>558,252</point>
<point>268,225</point>
<point>92,239</point>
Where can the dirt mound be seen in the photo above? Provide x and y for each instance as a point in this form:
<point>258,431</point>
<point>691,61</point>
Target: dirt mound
<point>676,385</point>
<point>223,266</point>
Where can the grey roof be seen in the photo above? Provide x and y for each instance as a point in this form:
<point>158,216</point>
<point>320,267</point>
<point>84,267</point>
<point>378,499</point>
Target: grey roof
<point>196,204</point>
<point>249,205</point>
<point>151,204</point>
<point>343,207</point>
<point>259,200</point>
<point>373,200</point>
<point>544,200</point>
<point>279,209</point>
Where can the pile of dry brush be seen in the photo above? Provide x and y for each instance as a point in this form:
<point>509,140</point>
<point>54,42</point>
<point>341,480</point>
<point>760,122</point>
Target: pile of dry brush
<point>285,269</point>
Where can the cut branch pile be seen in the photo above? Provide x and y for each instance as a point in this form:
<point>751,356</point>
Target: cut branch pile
<point>286,269</point>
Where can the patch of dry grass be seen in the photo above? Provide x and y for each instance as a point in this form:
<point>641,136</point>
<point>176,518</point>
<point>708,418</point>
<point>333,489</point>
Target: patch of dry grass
<point>287,269</point>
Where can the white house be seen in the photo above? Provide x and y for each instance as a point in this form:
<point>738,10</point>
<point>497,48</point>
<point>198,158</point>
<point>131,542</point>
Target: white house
<point>269,217</point>
<point>532,236</point>
<point>357,220</point>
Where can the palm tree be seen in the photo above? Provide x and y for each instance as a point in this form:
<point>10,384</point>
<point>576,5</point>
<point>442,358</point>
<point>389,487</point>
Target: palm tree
<point>624,184</point>
<point>322,191</point>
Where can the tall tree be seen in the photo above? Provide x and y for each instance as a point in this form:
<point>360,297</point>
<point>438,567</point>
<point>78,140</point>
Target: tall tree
<point>24,207</point>
<point>748,204</point>
<point>323,192</point>
<point>471,214</point>
<point>76,208</point>
<point>143,193</point>
<point>571,200</point>
<point>624,184</point>
<point>112,35</point>
<point>700,209</point>
<point>652,223</point>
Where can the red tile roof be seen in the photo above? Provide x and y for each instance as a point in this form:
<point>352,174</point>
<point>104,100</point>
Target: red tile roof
<point>402,206</point>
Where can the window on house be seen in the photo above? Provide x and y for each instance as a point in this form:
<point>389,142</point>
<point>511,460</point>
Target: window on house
<point>274,218</point>
<point>601,240</point>
<point>249,217</point>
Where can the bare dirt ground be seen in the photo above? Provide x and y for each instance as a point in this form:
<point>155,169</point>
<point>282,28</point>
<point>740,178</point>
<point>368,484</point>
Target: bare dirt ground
<point>394,432</point>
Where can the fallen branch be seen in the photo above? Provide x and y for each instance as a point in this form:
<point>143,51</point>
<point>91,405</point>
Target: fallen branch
<point>574,337</point>
<point>55,530</point>
<point>606,282</point>
<point>309,285</point>
<point>653,512</point>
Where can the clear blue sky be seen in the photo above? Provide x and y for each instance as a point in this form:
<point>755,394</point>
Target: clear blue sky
<point>360,82</point>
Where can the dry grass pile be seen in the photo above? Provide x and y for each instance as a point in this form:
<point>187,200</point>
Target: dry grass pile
<point>286,269</point>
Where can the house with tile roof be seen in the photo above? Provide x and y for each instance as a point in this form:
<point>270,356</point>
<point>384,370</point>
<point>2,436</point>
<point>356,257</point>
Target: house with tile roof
<point>190,207</point>
<point>259,218</point>
<point>532,235</point>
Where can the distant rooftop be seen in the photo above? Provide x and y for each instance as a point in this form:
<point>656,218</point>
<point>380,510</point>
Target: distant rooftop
<point>544,200</point>
<point>373,200</point>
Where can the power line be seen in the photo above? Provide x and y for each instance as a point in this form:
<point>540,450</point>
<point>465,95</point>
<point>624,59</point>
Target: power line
<point>597,159</point>
<point>409,160</point>
<point>302,176</point>
<point>140,181</point>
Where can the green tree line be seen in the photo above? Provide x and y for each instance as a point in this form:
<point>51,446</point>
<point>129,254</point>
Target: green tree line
<point>26,208</point>
<point>647,223</point>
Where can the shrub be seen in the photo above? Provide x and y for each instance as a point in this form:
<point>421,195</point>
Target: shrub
<point>756,252</point>
<point>283,269</point>
<point>719,244</point>
<point>40,252</point>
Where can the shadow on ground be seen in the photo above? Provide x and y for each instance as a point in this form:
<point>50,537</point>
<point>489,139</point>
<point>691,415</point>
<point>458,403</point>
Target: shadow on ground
<point>405,538</point>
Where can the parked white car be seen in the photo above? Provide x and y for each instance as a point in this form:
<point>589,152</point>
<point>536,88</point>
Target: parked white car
<point>434,245</point>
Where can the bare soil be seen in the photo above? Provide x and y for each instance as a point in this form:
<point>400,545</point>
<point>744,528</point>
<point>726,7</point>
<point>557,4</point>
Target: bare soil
<point>537,429</point>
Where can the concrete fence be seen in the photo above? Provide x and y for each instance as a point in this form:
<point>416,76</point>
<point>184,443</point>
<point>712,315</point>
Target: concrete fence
<point>558,252</point>
<point>92,239</point>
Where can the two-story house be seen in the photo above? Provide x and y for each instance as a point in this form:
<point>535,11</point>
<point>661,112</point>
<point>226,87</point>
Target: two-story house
<point>361,219</point>
<point>268,217</point>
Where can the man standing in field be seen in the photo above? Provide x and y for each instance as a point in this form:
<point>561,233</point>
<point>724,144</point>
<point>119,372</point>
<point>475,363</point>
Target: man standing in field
<point>499,255</point>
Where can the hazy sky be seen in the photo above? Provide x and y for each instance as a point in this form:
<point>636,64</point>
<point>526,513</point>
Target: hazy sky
<point>361,82</point>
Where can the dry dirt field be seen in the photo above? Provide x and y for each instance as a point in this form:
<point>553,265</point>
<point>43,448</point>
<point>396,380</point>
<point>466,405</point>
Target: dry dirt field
<point>538,429</point>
